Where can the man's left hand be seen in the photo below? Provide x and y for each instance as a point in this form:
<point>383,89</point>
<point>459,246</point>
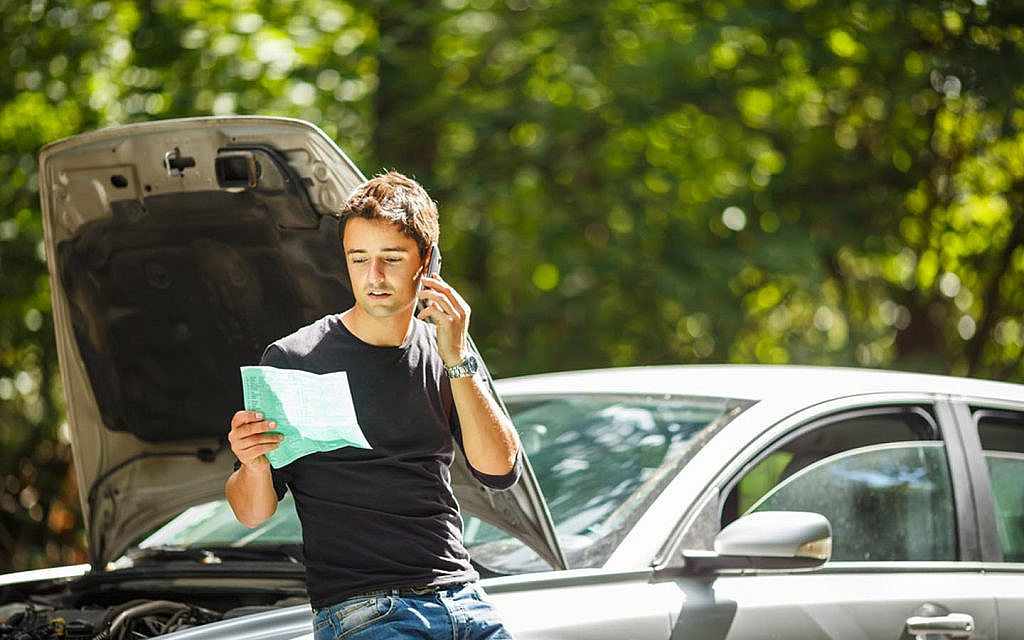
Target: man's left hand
<point>450,313</point>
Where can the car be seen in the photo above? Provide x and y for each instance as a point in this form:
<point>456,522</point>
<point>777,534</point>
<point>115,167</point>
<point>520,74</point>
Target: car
<point>664,502</point>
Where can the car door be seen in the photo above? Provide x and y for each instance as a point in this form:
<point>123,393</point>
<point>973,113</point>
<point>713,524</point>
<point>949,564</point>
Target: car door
<point>892,481</point>
<point>994,439</point>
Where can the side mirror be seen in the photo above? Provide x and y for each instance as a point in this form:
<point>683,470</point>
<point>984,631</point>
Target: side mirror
<point>767,540</point>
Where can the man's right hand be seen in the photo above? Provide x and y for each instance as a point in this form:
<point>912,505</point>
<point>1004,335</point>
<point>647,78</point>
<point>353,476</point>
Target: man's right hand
<point>249,438</point>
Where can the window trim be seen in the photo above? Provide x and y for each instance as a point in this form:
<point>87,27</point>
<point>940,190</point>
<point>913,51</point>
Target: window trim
<point>962,476</point>
<point>968,413</point>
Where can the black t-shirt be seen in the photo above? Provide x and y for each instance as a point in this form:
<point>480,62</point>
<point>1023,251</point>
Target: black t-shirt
<point>382,517</point>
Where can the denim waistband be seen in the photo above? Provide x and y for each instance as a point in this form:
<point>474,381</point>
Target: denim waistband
<point>405,592</point>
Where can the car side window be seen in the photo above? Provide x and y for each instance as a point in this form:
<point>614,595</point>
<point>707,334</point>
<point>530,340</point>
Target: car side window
<point>1002,440</point>
<point>880,476</point>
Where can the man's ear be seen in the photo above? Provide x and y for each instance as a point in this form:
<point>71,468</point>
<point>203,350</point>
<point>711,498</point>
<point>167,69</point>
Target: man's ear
<point>424,263</point>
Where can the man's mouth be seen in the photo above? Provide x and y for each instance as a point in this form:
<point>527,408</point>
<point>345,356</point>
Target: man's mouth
<point>378,294</point>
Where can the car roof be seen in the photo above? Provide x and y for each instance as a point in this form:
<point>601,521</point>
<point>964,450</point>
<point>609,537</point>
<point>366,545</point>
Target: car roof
<point>799,384</point>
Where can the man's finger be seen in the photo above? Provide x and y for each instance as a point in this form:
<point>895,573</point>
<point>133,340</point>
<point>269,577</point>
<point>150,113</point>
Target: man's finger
<point>244,417</point>
<point>253,442</point>
<point>453,297</point>
<point>451,292</point>
<point>437,315</point>
<point>443,303</point>
<point>459,300</point>
<point>263,449</point>
<point>256,428</point>
<point>436,285</point>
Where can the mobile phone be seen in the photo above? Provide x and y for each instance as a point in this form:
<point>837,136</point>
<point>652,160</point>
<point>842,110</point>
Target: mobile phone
<point>433,269</point>
<point>434,266</point>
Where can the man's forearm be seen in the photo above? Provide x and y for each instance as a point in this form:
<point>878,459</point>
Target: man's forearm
<point>250,492</point>
<point>488,437</point>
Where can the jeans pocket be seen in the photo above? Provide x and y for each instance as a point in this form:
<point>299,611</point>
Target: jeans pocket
<point>355,615</point>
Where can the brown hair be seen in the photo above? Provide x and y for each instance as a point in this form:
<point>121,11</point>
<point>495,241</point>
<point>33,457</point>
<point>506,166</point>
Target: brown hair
<point>398,199</point>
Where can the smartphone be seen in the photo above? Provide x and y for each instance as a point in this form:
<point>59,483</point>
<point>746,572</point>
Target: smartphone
<point>433,269</point>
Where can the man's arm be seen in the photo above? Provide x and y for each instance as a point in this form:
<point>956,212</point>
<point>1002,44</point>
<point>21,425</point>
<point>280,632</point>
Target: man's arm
<point>250,489</point>
<point>488,437</point>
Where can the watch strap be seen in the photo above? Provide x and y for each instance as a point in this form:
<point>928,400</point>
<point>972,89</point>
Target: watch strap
<point>463,369</point>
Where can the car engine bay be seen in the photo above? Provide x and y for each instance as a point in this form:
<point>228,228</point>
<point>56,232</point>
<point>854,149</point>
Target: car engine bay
<point>133,619</point>
<point>135,604</point>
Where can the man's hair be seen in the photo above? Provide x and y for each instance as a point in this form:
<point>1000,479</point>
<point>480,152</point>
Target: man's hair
<point>397,199</point>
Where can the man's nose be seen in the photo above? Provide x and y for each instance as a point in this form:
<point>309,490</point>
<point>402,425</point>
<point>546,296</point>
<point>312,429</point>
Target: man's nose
<point>376,270</point>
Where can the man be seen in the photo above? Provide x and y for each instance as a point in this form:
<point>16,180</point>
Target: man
<point>381,528</point>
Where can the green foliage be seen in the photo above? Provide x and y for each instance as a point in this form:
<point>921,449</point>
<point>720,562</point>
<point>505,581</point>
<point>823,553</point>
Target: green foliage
<point>623,182</point>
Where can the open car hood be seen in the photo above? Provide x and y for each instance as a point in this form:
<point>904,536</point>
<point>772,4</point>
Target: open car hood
<point>177,251</point>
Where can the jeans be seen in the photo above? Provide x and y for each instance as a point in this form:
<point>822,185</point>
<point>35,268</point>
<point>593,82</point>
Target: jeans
<point>459,613</point>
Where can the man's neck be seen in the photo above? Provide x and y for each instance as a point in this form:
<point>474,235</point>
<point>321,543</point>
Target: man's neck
<point>379,332</point>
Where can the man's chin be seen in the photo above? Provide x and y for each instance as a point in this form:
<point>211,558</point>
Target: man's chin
<point>385,309</point>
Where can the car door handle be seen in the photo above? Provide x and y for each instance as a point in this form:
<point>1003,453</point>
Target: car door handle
<point>954,625</point>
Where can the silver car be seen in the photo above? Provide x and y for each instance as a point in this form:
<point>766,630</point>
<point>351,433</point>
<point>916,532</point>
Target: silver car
<point>678,502</point>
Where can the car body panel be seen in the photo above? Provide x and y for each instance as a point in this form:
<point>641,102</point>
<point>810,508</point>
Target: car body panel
<point>1008,587</point>
<point>851,605</point>
<point>599,605</point>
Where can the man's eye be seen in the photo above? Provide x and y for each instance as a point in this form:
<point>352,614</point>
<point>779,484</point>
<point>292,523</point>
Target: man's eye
<point>392,260</point>
<point>358,260</point>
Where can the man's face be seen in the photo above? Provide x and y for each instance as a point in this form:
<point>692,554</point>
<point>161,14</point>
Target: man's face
<point>384,266</point>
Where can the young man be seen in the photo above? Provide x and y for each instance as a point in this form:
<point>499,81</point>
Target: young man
<point>381,528</point>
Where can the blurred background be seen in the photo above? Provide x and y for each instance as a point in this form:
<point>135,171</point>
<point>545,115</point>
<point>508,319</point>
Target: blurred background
<point>620,182</point>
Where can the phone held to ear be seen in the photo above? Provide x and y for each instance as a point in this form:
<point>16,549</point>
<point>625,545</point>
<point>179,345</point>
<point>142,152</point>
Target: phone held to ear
<point>433,269</point>
<point>434,266</point>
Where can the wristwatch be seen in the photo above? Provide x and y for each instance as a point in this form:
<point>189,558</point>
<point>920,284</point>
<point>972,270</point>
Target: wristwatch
<point>467,367</point>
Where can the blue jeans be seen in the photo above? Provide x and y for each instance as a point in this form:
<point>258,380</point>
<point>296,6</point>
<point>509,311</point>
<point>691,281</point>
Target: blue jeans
<point>459,613</point>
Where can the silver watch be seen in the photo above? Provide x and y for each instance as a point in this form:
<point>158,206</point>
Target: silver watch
<point>467,367</point>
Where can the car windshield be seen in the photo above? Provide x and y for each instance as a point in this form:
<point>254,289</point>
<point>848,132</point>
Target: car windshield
<point>600,461</point>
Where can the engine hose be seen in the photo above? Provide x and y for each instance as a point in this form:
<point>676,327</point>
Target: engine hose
<point>146,608</point>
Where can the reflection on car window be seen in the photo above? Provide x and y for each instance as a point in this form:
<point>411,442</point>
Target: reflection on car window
<point>879,474</point>
<point>885,502</point>
<point>842,433</point>
<point>1002,438</point>
<point>599,460</point>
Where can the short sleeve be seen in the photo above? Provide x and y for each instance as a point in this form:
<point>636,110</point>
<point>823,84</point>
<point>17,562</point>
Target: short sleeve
<point>502,482</point>
<point>275,356</point>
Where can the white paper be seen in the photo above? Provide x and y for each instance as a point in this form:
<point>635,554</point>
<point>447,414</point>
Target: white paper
<point>317,406</point>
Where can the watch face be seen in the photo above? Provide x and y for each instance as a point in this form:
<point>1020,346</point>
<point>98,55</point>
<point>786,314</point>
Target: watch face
<point>467,367</point>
